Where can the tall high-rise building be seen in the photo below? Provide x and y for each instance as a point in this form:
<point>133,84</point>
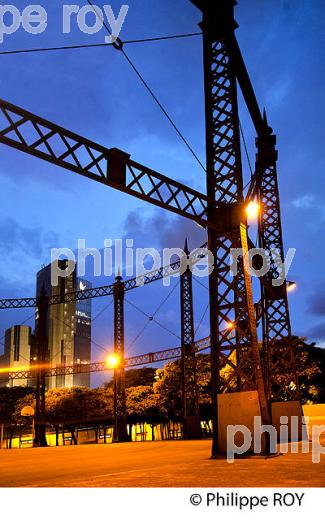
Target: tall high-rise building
<point>68,325</point>
<point>16,353</point>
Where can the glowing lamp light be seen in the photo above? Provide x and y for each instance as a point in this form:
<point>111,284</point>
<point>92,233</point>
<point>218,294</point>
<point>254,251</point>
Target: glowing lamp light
<point>230,325</point>
<point>291,286</point>
<point>253,210</point>
<point>27,411</point>
<point>113,361</point>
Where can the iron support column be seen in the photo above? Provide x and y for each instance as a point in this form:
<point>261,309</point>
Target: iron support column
<point>42,356</point>
<point>231,300</point>
<point>278,345</point>
<point>190,397</point>
<point>120,421</point>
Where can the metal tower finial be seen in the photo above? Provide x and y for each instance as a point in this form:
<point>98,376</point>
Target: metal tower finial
<point>265,120</point>
<point>186,248</point>
<point>265,116</point>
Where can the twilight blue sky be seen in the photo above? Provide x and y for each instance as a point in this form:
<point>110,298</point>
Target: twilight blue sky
<point>95,93</point>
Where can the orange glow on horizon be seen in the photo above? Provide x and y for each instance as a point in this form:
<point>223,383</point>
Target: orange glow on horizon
<point>10,370</point>
<point>14,370</point>
<point>34,368</point>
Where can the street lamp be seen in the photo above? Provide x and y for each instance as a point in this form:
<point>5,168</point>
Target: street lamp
<point>113,361</point>
<point>291,286</point>
<point>253,210</point>
<point>230,325</point>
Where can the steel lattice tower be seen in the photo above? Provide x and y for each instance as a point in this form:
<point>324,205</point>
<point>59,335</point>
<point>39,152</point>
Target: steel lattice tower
<point>234,342</point>
<point>190,397</point>
<point>42,357</point>
<point>120,420</point>
<point>231,298</point>
<point>279,347</point>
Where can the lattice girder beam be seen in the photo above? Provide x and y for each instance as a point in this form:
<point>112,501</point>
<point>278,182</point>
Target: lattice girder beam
<point>101,366</point>
<point>41,138</point>
<point>108,290</point>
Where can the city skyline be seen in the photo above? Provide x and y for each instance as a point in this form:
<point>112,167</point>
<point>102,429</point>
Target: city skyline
<point>68,332</point>
<point>17,354</point>
<point>68,325</point>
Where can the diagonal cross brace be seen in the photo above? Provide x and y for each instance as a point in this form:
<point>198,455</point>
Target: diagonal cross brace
<point>41,138</point>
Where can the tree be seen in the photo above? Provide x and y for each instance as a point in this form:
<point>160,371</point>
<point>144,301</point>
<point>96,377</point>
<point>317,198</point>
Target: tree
<point>77,405</point>
<point>17,420</point>
<point>137,377</point>
<point>144,405</point>
<point>8,400</point>
<point>169,387</point>
<point>204,386</point>
<point>311,372</point>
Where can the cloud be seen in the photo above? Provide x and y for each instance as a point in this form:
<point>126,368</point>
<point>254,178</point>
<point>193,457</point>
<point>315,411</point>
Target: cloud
<point>22,241</point>
<point>161,231</point>
<point>317,300</point>
<point>23,250</point>
<point>278,93</point>
<point>304,202</point>
<point>310,204</point>
<point>10,288</point>
<point>317,332</point>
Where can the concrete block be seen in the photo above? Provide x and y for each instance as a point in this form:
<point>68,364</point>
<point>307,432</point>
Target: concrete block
<point>293,411</point>
<point>238,408</point>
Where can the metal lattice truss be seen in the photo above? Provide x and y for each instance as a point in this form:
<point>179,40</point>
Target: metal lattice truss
<point>237,339</point>
<point>42,348</point>
<point>18,303</point>
<point>232,316</point>
<point>233,294</point>
<point>221,210</point>
<point>227,176</point>
<point>190,396</point>
<point>279,348</point>
<point>132,362</point>
<point>41,138</point>
<point>120,421</point>
<point>218,19</point>
<point>170,270</point>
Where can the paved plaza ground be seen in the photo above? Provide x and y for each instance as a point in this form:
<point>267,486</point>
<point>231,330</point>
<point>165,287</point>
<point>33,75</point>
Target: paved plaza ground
<point>156,464</point>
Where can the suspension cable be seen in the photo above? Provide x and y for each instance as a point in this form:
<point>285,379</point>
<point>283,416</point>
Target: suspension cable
<point>246,150</point>
<point>201,320</point>
<point>97,45</point>
<point>102,311</point>
<point>152,317</point>
<point>70,327</point>
<point>200,283</point>
<point>119,45</point>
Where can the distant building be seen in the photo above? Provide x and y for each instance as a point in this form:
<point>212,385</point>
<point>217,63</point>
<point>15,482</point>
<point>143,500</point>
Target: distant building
<point>16,353</point>
<point>68,327</point>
